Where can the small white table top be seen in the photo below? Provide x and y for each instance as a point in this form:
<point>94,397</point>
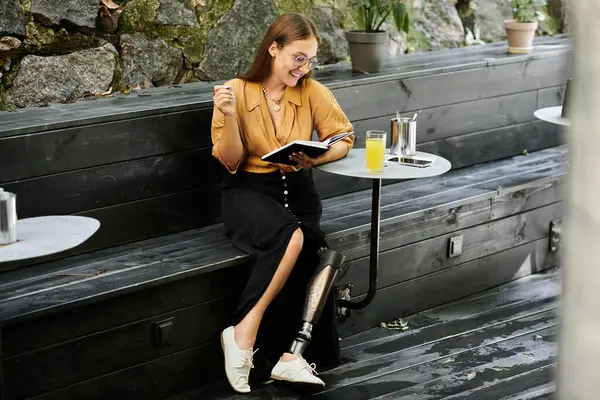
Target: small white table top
<point>552,115</point>
<point>354,165</point>
<point>42,236</point>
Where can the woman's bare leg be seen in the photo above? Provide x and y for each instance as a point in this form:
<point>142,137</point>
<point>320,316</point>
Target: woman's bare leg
<point>245,332</point>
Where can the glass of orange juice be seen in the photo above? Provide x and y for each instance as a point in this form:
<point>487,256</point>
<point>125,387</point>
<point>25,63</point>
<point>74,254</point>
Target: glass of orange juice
<point>375,151</point>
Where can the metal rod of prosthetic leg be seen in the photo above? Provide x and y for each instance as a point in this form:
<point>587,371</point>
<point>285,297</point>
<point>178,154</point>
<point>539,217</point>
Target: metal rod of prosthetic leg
<point>316,297</point>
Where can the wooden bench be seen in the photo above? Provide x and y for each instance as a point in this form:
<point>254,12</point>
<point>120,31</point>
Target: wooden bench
<point>136,310</point>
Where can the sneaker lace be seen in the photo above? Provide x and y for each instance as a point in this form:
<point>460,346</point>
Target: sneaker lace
<point>312,368</point>
<point>247,359</point>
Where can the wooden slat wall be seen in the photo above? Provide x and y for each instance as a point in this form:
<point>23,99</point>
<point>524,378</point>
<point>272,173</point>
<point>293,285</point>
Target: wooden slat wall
<point>161,163</point>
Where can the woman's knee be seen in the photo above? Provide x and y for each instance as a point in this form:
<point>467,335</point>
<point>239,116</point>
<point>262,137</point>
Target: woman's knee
<point>297,241</point>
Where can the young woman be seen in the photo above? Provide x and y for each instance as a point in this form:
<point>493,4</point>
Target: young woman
<point>272,211</point>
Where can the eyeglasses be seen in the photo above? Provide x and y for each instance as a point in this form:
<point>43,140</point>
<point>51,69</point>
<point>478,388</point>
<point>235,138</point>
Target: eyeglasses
<point>300,60</point>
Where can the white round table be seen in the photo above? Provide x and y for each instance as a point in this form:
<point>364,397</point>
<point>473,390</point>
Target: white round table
<point>552,115</point>
<point>41,236</point>
<point>354,165</point>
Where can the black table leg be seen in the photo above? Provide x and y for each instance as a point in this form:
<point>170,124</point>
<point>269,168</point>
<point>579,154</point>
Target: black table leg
<point>374,251</point>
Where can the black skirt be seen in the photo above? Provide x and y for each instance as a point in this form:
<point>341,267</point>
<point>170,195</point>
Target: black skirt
<point>261,212</point>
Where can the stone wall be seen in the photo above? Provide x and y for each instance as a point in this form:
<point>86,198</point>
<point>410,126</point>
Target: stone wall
<point>62,50</point>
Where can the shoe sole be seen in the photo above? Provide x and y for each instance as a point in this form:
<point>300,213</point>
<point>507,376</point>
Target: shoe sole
<point>305,384</point>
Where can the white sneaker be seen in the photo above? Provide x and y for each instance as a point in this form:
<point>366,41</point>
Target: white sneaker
<point>296,371</point>
<point>238,362</point>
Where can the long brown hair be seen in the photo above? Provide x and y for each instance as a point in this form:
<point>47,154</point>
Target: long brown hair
<point>286,29</point>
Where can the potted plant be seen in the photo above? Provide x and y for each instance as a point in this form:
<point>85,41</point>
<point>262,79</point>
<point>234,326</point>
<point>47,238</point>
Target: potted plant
<point>521,29</point>
<point>367,46</point>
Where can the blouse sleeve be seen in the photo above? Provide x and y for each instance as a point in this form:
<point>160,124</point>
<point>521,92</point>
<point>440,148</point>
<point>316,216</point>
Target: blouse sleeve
<point>218,124</point>
<point>328,117</point>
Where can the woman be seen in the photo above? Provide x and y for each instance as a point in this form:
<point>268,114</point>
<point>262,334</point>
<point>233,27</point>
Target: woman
<point>272,211</point>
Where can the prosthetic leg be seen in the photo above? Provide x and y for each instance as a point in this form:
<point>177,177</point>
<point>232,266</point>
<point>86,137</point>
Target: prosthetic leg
<point>316,297</point>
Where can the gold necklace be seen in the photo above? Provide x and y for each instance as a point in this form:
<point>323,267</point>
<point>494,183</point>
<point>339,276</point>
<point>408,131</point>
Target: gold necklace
<point>276,107</point>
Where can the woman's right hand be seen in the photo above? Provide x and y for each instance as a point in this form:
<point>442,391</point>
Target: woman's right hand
<point>224,100</point>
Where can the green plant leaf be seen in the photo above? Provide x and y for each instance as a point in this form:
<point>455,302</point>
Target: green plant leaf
<point>540,16</point>
<point>400,16</point>
<point>406,23</point>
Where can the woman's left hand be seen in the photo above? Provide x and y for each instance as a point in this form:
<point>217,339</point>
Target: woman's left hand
<point>304,161</point>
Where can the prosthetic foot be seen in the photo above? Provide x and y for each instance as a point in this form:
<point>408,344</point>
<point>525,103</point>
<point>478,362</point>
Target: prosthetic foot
<point>299,370</point>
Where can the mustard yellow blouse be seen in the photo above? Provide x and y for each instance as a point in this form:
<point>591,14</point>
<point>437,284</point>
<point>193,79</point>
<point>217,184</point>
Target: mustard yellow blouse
<point>307,107</point>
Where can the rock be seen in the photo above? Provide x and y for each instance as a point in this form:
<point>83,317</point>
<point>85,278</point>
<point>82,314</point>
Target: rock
<point>176,12</point>
<point>233,41</point>
<point>12,19</point>
<point>397,42</point>
<point>43,80</point>
<point>139,16</point>
<point>201,5</point>
<point>52,12</point>
<point>149,62</point>
<point>489,18</point>
<point>334,46</point>
<point>41,40</point>
<point>438,23</point>
<point>9,46</point>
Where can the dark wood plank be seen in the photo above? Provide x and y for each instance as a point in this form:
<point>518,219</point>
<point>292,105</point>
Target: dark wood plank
<point>543,392</point>
<point>425,257</point>
<point>348,382</point>
<point>460,325</point>
<point>450,284</point>
<point>517,200</point>
<point>504,78</point>
<point>501,386</point>
<point>385,98</point>
<point>105,286</point>
<point>468,372</point>
<point>541,286</point>
<point>113,349</point>
<point>421,221</point>
<point>466,150</point>
<point>192,97</point>
<point>397,94</point>
<point>514,299</point>
<point>154,380</point>
<point>138,220</point>
<point>460,118</point>
<point>415,322</point>
<point>132,259</point>
<point>549,97</point>
<point>32,155</point>
<point>128,308</point>
<point>112,184</point>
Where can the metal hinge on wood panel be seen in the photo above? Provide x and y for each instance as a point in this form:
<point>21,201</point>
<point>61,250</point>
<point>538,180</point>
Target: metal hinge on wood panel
<point>555,235</point>
<point>343,292</point>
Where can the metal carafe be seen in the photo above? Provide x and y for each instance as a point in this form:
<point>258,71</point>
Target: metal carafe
<point>404,136</point>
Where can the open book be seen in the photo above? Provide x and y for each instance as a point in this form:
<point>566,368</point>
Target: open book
<point>309,147</point>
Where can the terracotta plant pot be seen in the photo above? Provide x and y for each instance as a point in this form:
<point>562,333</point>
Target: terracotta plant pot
<point>520,36</point>
<point>367,50</point>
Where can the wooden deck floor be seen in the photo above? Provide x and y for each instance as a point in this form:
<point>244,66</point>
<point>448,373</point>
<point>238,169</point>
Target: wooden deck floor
<point>500,344</point>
